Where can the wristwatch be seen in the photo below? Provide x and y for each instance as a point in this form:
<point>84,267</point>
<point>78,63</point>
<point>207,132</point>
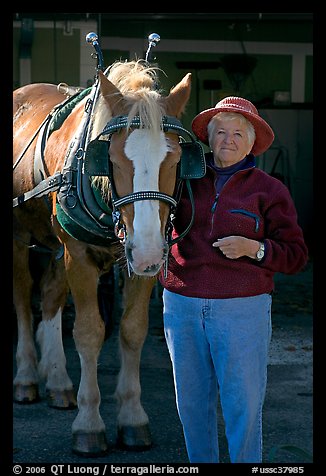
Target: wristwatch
<point>261,252</point>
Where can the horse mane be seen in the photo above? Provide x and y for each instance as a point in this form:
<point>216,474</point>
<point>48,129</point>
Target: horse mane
<point>136,81</point>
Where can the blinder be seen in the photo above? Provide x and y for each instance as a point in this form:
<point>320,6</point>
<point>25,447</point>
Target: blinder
<point>192,162</point>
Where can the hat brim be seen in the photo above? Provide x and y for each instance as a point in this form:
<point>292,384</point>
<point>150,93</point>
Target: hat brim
<point>264,133</point>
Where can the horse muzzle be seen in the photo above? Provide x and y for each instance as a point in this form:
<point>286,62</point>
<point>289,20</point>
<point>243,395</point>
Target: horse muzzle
<point>146,261</point>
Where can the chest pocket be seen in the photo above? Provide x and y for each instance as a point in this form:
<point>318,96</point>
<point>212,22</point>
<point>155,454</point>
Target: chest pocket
<point>253,216</point>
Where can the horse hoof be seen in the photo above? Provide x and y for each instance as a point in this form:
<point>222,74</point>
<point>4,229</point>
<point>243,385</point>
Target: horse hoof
<point>26,393</point>
<point>89,444</point>
<point>64,400</point>
<point>134,438</point>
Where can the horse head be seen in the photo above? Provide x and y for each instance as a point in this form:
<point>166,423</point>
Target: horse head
<point>143,158</point>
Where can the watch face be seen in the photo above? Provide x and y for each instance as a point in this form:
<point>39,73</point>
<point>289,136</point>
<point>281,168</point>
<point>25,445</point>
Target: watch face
<point>260,254</point>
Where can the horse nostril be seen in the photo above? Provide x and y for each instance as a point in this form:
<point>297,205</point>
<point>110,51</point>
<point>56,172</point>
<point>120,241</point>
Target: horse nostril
<point>153,269</point>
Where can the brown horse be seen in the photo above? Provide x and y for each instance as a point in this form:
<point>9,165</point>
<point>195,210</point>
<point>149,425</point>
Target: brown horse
<point>120,139</point>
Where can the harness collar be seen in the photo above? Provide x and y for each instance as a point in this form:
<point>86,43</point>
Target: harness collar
<point>169,124</point>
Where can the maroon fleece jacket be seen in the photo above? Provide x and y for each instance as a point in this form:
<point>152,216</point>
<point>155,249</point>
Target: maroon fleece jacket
<point>251,204</point>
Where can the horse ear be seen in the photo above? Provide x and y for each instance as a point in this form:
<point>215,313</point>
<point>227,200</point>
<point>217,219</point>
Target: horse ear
<point>110,92</point>
<point>177,100</point>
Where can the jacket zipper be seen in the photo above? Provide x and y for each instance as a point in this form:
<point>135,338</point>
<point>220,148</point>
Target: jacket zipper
<point>213,208</point>
<point>214,205</point>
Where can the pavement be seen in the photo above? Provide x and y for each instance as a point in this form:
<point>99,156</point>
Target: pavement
<point>43,435</point>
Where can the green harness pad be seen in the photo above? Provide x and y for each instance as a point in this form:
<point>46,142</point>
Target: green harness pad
<point>62,114</point>
<point>75,221</point>
<point>76,229</point>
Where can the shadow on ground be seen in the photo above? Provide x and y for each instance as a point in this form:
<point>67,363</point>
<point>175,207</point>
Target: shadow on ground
<point>43,435</point>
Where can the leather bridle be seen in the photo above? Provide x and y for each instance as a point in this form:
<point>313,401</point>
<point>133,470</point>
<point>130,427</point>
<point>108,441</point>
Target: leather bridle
<point>169,124</point>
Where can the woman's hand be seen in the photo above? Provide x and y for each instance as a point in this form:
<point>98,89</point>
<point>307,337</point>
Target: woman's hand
<point>234,247</point>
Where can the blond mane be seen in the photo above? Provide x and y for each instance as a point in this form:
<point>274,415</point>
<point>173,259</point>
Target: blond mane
<point>136,81</point>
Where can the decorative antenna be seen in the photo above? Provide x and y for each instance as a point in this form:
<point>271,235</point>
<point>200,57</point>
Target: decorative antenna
<point>92,38</point>
<point>153,39</point>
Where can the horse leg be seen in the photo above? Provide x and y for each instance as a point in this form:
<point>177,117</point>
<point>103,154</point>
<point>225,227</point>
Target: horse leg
<point>26,379</point>
<point>88,427</point>
<point>133,424</point>
<point>52,366</point>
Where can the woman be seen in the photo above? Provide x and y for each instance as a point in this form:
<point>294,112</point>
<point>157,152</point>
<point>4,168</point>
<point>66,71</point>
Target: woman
<point>218,291</point>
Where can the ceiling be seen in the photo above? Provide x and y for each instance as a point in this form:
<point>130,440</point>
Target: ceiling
<point>168,16</point>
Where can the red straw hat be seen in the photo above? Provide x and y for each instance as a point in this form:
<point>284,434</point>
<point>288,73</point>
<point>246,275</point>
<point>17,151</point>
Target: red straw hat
<point>264,133</point>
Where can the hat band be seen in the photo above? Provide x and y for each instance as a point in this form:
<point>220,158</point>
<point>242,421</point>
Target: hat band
<point>237,106</point>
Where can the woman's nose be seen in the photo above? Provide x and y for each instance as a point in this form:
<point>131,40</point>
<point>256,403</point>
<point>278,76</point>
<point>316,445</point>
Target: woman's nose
<point>228,138</point>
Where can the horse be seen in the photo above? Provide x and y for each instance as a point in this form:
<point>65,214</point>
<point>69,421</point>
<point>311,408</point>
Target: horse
<point>114,147</point>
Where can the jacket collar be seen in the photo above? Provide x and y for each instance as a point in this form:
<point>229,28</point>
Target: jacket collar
<point>248,162</point>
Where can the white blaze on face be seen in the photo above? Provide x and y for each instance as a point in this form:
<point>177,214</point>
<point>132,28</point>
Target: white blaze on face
<point>147,153</point>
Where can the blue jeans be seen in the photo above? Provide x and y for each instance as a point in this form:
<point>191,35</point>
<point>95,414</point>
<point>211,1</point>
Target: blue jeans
<point>219,347</point>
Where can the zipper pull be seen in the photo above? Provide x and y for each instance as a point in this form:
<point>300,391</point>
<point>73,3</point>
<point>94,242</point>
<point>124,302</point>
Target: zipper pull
<point>215,203</point>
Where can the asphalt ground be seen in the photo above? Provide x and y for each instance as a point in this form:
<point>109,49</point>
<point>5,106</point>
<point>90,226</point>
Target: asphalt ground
<point>42,435</point>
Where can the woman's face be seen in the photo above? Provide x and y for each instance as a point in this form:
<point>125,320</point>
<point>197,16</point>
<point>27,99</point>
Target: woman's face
<point>229,142</point>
